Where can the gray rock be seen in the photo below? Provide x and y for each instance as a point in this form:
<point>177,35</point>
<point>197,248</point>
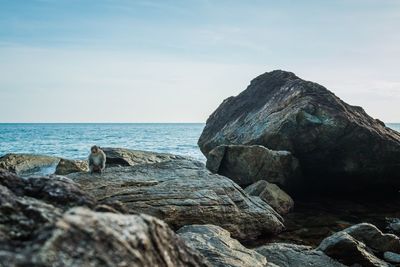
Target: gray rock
<point>217,246</point>
<point>67,166</point>
<point>373,238</point>
<point>391,257</point>
<point>183,192</point>
<point>57,190</point>
<point>86,238</point>
<point>291,255</point>
<point>344,248</point>
<point>248,164</point>
<point>129,157</point>
<point>335,143</point>
<point>27,164</point>
<point>272,194</point>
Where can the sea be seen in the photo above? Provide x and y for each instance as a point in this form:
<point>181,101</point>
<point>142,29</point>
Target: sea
<point>73,140</point>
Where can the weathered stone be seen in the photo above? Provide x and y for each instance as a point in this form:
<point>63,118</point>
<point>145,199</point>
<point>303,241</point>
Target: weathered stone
<point>336,144</point>
<point>373,238</point>
<point>347,250</point>
<point>272,194</point>
<point>66,166</point>
<point>58,190</point>
<point>291,255</point>
<point>25,164</point>
<point>183,192</point>
<point>248,164</point>
<point>129,157</point>
<point>86,238</point>
<point>23,217</point>
<point>217,246</point>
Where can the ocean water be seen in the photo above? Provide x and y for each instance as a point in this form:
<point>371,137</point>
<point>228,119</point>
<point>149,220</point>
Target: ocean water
<point>73,140</point>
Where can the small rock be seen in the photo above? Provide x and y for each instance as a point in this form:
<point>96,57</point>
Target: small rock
<point>66,166</point>
<point>27,164</point>
<point>272,194</point>
<point>217,246</point>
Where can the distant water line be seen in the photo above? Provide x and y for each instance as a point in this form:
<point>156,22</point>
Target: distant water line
<point>73,140</point>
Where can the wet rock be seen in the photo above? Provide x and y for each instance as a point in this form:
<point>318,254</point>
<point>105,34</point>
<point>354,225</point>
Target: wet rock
<point>272,194</point>
<point>66,166</point>
<point>335,143</point>
<point>183,192</point>
<point>86,238</point>
<point>248,164</point>
<point>347,250</point>
<point>26,164</point>
<point>129,157</point>
<point>291,255</point>
<point>217,246</point>
<point>391,257</point>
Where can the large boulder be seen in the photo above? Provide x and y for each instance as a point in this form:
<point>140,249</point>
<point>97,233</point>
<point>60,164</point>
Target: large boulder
<point>248,164</point>
<point>86,238</point>
<point>272,194</point>
<point>291,255</point>
<point>28,164</point>
<point>129,157</point>
<point>336,144</point>
<point>181,192</point>
<point>217,246</point>
<point>67,166</point>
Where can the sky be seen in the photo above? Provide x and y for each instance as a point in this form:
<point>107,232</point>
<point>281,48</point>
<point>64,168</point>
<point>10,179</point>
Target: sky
<point>177,60</point>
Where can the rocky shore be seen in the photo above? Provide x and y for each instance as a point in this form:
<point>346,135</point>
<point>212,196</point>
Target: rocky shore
<point>294,177</point>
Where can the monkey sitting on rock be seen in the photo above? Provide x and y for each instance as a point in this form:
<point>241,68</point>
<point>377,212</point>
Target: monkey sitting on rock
<point>97,160</point>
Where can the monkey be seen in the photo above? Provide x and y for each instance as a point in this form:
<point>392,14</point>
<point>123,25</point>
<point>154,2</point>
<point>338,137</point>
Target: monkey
<point>97,160</point>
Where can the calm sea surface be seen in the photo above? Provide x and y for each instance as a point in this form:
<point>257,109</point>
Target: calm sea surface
<point>74,140</point>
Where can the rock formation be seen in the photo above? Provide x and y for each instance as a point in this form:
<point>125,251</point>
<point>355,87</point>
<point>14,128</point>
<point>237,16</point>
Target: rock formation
<point>248,164</point>
<point>361,244</point>
<point>182,192</point>
<point>338,145</point>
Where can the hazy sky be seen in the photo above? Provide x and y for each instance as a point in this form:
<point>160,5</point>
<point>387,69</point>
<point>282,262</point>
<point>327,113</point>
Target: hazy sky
<point>175,61</point>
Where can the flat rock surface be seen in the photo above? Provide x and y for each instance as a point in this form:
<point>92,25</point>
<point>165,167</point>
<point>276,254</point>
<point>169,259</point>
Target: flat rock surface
<point>130,157</point>
<point>217,246</point>
<point>337,144</point>
<point>183,192</point>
